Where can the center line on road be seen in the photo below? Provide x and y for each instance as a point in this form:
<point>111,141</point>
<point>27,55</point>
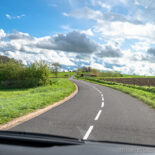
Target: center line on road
<point>102,95</point>
<point>102,105</point>
<point>88,133</point>
<point>102,98</point>
<point>98,115</point>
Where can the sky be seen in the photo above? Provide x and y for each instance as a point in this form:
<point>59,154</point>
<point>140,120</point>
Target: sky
<point>110,35</point>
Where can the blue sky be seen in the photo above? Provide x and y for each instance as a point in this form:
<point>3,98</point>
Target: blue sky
<point>105,34</point>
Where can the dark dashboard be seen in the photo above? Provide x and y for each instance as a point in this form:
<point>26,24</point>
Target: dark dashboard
<point>37,144</point>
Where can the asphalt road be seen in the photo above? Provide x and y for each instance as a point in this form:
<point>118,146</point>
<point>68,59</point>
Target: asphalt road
<point>98,113</point>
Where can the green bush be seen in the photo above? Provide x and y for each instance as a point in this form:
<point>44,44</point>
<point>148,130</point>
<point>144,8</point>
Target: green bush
<point>16,75</point>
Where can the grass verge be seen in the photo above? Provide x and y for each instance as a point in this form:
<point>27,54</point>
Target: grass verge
<point>63,74</point>
<point>145,94</point>
<point>18,102</point>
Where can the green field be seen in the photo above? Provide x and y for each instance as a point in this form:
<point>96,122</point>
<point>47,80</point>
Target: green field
<point>106,75</point>
<point>127,76</point>
<point>136,76</point>
<point>63,74</point>
<point>17,102</point>
<point>144,93</point>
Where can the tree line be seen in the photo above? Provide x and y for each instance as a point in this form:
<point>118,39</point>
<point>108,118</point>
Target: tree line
<point>96,72</point>
<point>14,74</point>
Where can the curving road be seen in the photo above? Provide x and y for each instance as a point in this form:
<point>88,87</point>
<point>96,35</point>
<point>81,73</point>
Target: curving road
<point>98,113</point>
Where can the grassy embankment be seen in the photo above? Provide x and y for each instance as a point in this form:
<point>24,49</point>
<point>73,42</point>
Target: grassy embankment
<point>17,102</point>
<point>63,74</point>
<point>144,93</point>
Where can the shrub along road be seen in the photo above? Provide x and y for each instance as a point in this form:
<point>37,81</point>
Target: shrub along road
<point>99,113</point>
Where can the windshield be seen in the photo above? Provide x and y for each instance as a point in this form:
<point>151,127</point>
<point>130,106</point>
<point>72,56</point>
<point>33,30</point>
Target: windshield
<point>79,68</point>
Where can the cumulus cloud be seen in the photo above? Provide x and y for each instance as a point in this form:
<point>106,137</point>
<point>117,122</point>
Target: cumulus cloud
<point>151,51</point>
<point>140,46</point>
<point>72,49</point>
<point>65,48</point>
<point>19,35</point>
<point>150,55</point>
<point>88,32</point>
<point>108,51</point>
<point>71,42</point>
<point>126,30</point>
<point>113,24</point>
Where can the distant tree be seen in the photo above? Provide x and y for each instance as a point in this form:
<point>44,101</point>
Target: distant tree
<point>89,69</point>
<point>110,74</point>
<point>55,68</point>
<point>95,72</point>
<point>86,69</point>
<point>79,71</point>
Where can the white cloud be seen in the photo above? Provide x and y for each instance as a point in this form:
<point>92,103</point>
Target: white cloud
<point>71,42</point>
<point>139,68</point>
<point>85,13</point>
<point>14,17</point>
<point>8,16</point>
<point>141,46</point>
<point>126,30</point>
<point>99,66</point>
<point>116,25</point>
<point>65,14</point>
<point>88,32</point>
<point>19,35</point>
<point>2,34</point>
<point>101,4</point>
<point>22,46</point>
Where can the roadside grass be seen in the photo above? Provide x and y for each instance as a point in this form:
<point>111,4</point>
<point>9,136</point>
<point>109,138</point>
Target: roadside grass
<point>137,76</point>
<point>129,76</point>
<point>144,93</point>
<point>17,102</point>
<point>63,74</point>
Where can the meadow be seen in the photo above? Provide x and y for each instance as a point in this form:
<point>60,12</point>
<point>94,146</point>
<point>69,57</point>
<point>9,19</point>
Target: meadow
<point>18,102</point>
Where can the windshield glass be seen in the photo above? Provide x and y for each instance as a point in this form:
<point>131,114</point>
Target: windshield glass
<point>79,68</point>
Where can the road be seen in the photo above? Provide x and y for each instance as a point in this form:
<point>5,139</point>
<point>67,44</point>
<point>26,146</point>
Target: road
<point>98,113</point>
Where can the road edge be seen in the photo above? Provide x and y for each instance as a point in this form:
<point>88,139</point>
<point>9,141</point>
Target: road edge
<point>125,92</point>
<point>38,112</point>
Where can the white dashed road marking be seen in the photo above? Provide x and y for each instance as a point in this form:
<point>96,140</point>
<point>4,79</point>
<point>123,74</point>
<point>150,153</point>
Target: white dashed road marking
<point>88,133</point>
<point>98,115</point>
<point>102,105</point>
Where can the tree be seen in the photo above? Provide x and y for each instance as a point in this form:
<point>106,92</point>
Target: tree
<point>79,71</point>
<point>86,69</point>
<point>15,75</point>
<point>55,68</point>
<point>95,72</point>
<point>89,69</point>
<point>5,59</point>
